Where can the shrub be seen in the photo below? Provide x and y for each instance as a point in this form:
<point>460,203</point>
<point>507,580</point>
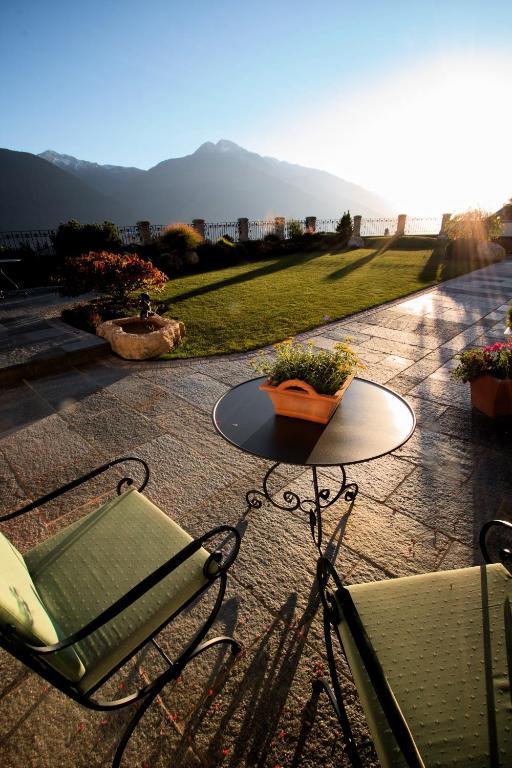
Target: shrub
<point>295,228</point>
<point>87,316</point>
<point>345,227</point>
<point>74,239</point>
<point>180,237</point>
<point>475,224</point>
<point>325,370</point>
<point>494,360</point>
<point>116,274</point>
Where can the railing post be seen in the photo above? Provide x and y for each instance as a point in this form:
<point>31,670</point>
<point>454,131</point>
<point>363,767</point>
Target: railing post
<point>310,224</point>
<point>400,224</point>
<point>144,230</point>
<point>279,223</point>
<point>243,230</point>
<point>356,241</point>
<point>446,218</point>
<point>198,225</point>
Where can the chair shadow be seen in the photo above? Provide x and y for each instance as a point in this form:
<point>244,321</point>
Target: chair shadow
<point>262,692</point>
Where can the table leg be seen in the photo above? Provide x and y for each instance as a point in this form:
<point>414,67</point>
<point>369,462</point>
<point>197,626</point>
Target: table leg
<point>289,501</point>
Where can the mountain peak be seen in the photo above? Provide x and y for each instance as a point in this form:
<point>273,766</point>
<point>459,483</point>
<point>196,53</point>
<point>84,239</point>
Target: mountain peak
<point>223,145</point>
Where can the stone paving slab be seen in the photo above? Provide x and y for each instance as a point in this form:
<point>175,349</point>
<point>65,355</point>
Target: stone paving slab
<point>33,341</point>
<point>419,509</point>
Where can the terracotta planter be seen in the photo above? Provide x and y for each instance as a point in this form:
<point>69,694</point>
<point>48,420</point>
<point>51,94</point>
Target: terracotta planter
<point>492,396</point>
<point>299,400</point>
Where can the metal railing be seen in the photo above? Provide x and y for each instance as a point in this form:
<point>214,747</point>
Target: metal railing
<point>36,239</point>
<point>377,226</point>
<point>423,225</point>
<point>40,240</point>
<point>213,231</point>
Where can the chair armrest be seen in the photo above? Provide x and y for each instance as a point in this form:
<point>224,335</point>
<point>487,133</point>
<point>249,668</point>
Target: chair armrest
<point>74,483</point>
<point>149,582</point>
<point>383,691</point>
<point>504,553</point>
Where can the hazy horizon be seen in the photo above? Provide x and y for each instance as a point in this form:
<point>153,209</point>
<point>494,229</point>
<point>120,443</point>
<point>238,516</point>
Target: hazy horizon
<point>408,101</point>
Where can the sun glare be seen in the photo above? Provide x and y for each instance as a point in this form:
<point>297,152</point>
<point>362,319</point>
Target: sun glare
<point>430,140</point>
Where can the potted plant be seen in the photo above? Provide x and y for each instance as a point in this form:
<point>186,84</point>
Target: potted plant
<point>489,372</point>
<point>307,383</point>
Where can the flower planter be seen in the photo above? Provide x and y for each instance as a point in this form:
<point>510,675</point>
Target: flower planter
<point>297,399</point>
<point>492,396</point>
<point>134,338</point>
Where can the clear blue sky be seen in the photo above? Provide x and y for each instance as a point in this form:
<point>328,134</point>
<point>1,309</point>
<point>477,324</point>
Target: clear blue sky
<point>137,82</point>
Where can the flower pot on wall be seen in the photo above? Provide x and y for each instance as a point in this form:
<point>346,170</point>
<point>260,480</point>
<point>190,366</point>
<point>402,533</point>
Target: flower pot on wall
<point>492,396</point>
<point>297,399</point>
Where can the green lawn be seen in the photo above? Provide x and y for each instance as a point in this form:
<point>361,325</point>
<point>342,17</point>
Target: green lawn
<point>251,305</point>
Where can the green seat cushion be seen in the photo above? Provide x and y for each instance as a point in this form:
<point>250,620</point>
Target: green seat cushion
<point>441,641</point>
<point>21,608</point>
<point>85,568</point>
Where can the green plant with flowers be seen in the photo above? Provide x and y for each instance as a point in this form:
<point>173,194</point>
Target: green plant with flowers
<point>494,360</point>
<point>326,370</point>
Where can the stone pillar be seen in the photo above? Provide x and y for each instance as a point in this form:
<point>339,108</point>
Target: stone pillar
<point>198,225</point>
<point>400,224</point>
<point>356,241</point>
<point>446,218</point>
<point>144,230</point>
<point>279,225</point>
<point>243,230</point>
<point>310,224</point>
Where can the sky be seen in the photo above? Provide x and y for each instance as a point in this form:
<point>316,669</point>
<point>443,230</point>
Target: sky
<point>407,98</point>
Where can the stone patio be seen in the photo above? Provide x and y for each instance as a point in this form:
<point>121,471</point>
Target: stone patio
<point>418,510</point>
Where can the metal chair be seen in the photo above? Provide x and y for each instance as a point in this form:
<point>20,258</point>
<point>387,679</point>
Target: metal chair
<point>431,658</point>
<point>78,606</point>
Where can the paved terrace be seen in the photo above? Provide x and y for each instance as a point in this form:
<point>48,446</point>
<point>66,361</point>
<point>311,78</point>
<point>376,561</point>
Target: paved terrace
<point>418,510</point>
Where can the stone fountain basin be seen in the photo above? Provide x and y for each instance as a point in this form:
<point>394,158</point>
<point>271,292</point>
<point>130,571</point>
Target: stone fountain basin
<point>135,338</point>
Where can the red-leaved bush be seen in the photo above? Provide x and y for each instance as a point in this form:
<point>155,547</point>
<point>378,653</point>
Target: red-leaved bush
<point>116,274</point>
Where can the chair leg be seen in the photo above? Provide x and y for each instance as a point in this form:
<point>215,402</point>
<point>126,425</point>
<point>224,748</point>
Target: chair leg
<point>235,646</point>
<point>167,677</point>
<point>336,697</point>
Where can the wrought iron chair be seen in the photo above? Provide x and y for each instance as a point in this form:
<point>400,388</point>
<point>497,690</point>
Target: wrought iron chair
<point>431,658</point>
<point>78,606</point>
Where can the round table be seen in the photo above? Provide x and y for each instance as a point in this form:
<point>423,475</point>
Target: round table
<point>371,421</point>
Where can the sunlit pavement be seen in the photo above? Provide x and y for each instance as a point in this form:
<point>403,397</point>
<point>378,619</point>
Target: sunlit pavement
<point>418,510</point>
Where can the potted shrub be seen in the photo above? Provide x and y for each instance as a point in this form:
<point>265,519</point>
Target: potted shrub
<point>489,372</point>
<point>307,383</point>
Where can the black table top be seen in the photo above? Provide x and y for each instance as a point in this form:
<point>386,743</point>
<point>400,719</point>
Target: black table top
<point>370,421</point>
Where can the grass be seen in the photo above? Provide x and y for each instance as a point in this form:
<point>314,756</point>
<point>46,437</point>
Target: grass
<point>251,305</point>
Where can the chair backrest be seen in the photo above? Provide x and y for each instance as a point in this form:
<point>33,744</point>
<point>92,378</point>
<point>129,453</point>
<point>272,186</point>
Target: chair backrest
<point>22,609</point>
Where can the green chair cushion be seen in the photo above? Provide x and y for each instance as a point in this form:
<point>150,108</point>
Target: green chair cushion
<point>440,639</point>
<point>21,608</point>
<point>85,568</point>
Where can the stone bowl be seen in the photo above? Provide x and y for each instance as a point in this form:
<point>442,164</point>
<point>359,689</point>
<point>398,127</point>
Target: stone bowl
<point>135,338</point>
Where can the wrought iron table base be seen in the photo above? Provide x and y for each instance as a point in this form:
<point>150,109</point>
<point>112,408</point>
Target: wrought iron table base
<point>313,507</point>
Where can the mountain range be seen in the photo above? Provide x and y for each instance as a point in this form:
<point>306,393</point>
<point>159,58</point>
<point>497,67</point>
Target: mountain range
<point>218,182</point>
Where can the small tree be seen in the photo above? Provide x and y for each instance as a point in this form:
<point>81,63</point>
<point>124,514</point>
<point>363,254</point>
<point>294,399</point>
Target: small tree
<point>116,274</point>
<point>295,228</point>
<point>345,227</point>
<point>474,224</point>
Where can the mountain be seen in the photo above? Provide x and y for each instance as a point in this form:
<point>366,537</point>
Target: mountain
<point>108,179</point>
<point>218,182</point>
<point>36,194</point>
